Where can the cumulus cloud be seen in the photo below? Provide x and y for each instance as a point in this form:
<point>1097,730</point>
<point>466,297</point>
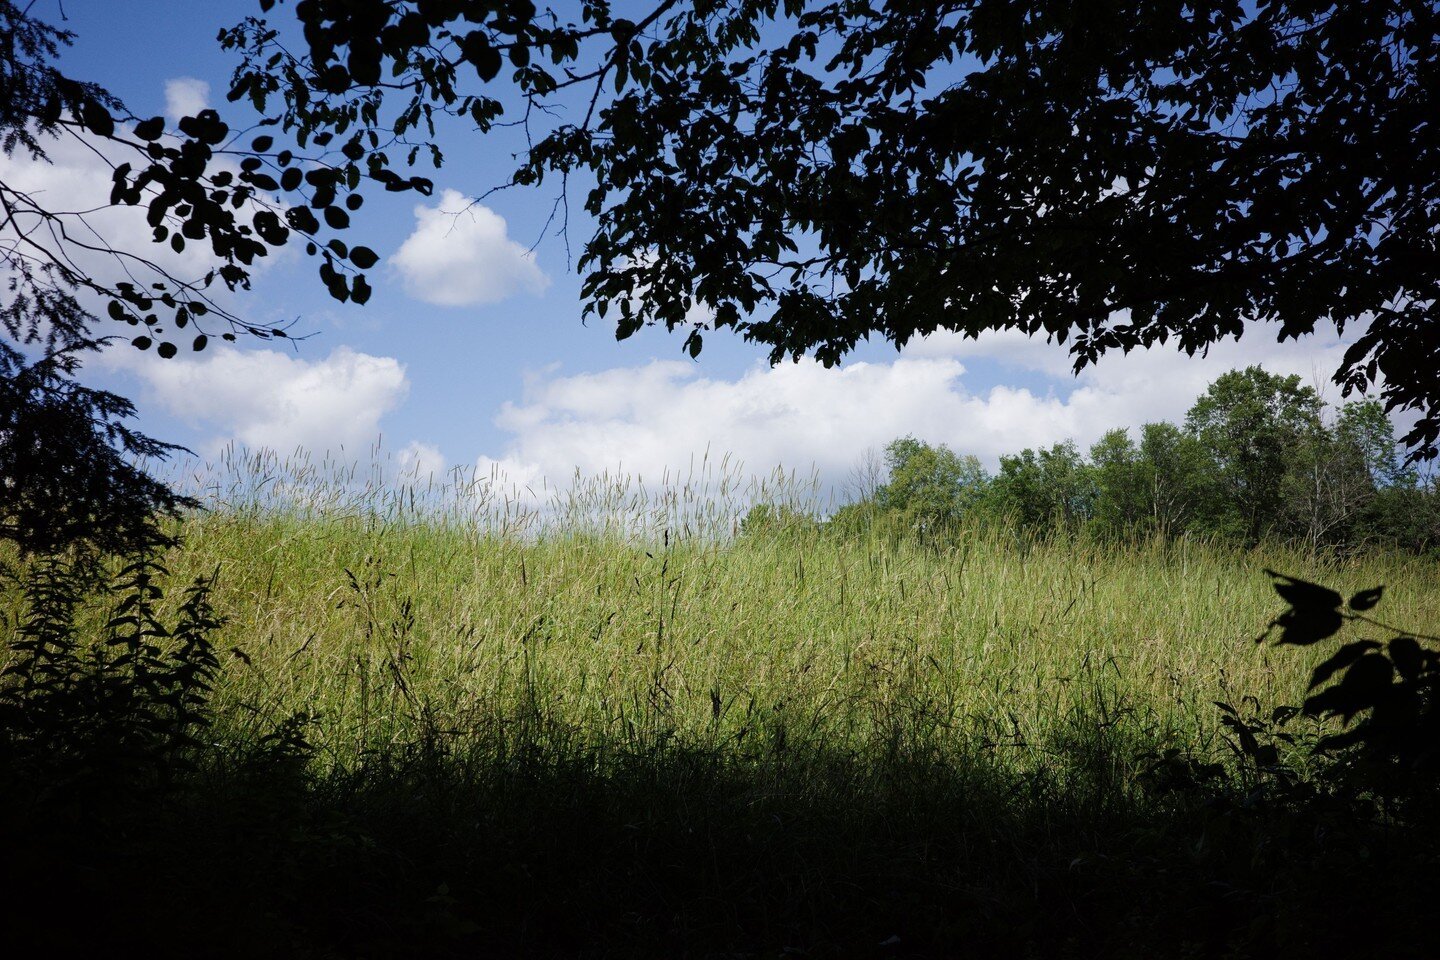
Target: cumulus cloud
<point>649,419</point>
<point>461,255</point>
<point>185,97</point>
<point>274,400</point>
<point>1146,385</point>
<point>420,462</point>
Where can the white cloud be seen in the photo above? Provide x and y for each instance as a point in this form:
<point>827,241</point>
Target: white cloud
<point>1012,348</point>
<point>270,399</point>
<point>645,420</point>
<point>1147,385</point>
<point>185,97</point>
<point>460,255</point>
<point>420,462</point>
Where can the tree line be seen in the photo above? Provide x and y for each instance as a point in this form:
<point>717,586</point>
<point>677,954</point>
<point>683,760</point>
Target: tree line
<point>1258,457</point>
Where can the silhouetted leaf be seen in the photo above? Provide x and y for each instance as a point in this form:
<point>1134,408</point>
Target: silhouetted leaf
<point>166,350</point>
<point>302,219</point>
<point>1341,659</point>
<point>151,129</point>
<point>1366,599</point>
<point>1304,627</point>
<point>477,50</point>
<point>1304,595</point>
<point>1283,714</point>
<point>1362,687</point>
<point>334,282</point>
<point>364,257</point>
<point>1408,656</point>
<point>96,118</point>
<point>206,127</point>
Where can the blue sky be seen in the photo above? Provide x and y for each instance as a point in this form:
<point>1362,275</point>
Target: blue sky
<point>472,351</point>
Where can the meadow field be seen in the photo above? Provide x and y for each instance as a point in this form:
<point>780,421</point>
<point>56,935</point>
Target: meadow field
<point>605,723</point>
<point>385,628</point>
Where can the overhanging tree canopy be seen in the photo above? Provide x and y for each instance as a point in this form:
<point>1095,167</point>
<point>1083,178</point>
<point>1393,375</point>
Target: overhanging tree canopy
<point>68,461</point>
<point>1115,173</point>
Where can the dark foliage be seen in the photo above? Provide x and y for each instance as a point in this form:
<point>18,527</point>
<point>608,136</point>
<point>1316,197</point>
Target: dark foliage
<point>189,195</point>
<point>71,469</point>
<point>69,464</point>
<point>1114,175</point>
<point>451,849</point>
<point>1387,692</point>
<point>91,718</point>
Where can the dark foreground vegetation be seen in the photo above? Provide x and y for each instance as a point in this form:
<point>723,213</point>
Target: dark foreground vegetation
<point>792,849</point>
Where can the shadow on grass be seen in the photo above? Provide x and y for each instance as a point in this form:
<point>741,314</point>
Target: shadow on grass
<point>787,851</point>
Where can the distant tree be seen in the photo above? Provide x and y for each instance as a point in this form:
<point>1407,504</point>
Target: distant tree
<point>1182,479</point>
<point>858,518</point>
<point>1161,485</point>
<point>1044,489</point>
<point>1253,424</point>
<point>1121,501</point>
<point>1260,456</point>
<point>770,519</point>
<point>1114,174</point>
<point>1336,472</point>
<point>1404,515</point>
<point>867,476</point>
<point>930,487</point>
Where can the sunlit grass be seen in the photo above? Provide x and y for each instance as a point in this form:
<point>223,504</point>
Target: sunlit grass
<point>616,615</point>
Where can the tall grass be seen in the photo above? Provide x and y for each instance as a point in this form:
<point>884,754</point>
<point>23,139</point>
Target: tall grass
<point>628,617</point>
